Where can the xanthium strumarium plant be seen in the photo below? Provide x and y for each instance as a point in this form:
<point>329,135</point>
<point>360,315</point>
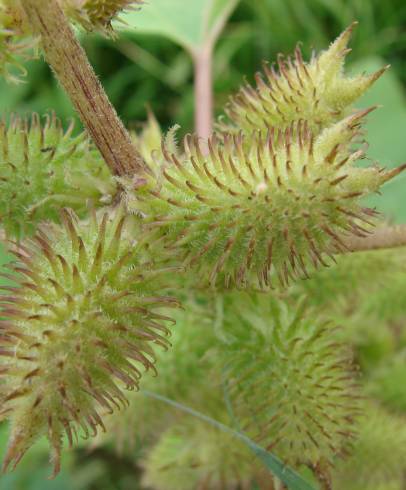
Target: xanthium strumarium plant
<point>257,231</point>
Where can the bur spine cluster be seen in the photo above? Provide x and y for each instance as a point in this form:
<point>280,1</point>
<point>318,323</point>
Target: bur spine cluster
<point>292,384</point>
<point>318,92</point>
<point>97,14</point>
<point>43,168</point>
<point>18,44</point>
<point>81,324</point>
<point>260,211</point>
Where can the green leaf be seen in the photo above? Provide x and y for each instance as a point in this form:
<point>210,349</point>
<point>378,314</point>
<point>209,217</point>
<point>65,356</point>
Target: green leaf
<point>190,23</point>
<point>287,475</point>
<point>386,131</point>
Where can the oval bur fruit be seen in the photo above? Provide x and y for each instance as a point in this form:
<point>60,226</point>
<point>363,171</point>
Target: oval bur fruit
<point>80,325</point>
<point>251,213</point>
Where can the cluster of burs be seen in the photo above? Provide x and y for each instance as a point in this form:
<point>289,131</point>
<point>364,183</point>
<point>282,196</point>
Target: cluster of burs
<point>223,280</point>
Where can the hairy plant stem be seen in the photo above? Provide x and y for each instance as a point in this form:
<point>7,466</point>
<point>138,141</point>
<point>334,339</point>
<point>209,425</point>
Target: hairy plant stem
<point>69,62</point>
<point>382,238</point>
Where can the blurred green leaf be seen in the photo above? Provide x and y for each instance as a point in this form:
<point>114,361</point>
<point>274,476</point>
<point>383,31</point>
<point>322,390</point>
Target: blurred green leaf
<point>386,132</point>
<point>190,24</point>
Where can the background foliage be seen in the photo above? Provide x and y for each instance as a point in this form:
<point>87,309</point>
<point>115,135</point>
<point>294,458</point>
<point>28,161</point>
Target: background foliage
<point>142,70</point>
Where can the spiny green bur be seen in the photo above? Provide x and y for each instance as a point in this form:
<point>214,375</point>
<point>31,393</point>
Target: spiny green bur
<point>80,325</point>
<point>43,168</point>
<point>97,14</point>
<point>193,455</point>
<point>291,384</point>
<point>16,44</point>
<point>378,459</point>
<point>317,92</point>
<point>258,214</point>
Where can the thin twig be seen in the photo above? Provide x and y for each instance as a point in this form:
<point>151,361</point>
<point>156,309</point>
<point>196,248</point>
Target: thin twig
<point>382,238</point>
<point>69,62</point>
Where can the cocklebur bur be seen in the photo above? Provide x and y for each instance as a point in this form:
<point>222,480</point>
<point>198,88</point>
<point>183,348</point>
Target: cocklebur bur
<point>97,14</point>
<point>44,168</point>
<point>80,325</point>
<point>257,211</point>
<point>317,92</point>
<point>265,356</point>
<point>18,43</point>
<point>292,385</point>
